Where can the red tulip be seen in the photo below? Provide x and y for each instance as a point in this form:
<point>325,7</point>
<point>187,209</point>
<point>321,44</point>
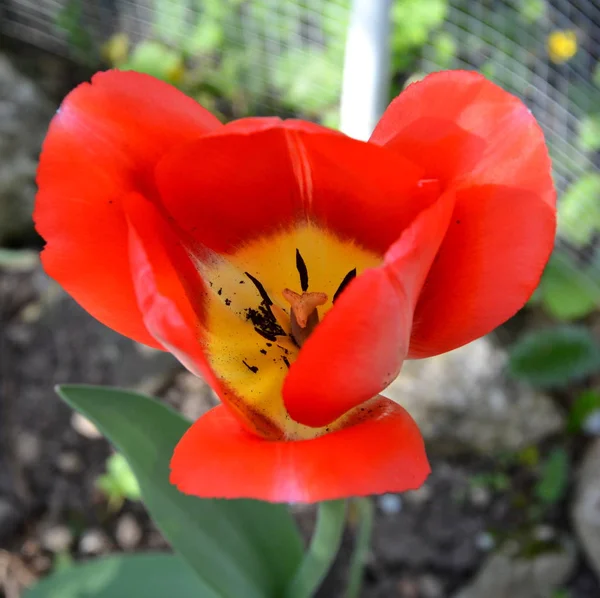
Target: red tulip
<point>296,268</point>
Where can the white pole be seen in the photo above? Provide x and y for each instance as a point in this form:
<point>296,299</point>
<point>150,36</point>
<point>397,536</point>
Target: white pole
<point>365,85</point>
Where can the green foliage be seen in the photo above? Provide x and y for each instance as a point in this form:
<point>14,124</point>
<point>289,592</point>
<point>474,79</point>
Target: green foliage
<point>445,49</point>
<point>124,576</point>
<point>579,210</point>
<point>171,23</point>
<point>589,133</point>
<point>236,547</point>
<point>555,356</point>
<point>310,82</point>
<point>119,482</point>
<point>413,21</point>
<point>553,481</point>
<point>596,75</point>
<point>532,11</point>
<point>156,59</point>
<point>496,481</point>
<point>585,404</point>
<point>565,292</point>
<point>69,19</point>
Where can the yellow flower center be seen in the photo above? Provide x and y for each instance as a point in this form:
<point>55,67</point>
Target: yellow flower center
<point>263,302</point>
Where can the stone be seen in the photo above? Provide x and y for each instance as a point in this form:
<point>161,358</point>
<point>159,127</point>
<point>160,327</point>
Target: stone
<point>27,448</point>
<point>57,538</point>
<point>93,541</point>
<point>84,426</point>
<point>128,532</point>
<point>463,401</point>
<point>25,112</point>
<point>390,504</point>
<point>585,511</point>
<point>69,462</point>
<point>430,587</point>
<point>503,575</point>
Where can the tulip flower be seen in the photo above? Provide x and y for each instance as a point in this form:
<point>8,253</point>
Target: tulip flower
<point>295,268</point>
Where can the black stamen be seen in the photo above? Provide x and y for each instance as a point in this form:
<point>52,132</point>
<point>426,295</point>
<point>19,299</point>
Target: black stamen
<point>302,270</point>
<point>344,283</point>
<point>286,361</point>
<point>252,368</point>
<point>260,289</point>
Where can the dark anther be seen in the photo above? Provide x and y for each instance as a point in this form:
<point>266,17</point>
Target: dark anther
<point>302,270</point>
<point>344,283</point>
<point>259,287</point>
<point>252,368</point>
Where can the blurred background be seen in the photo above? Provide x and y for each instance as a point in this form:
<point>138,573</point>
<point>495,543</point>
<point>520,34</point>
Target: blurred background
<point>512,422</point>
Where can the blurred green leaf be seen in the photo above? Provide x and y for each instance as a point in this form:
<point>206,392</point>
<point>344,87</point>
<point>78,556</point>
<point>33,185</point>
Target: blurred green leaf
<point>554,477</point>
<point>532,10</point>
<point>171,20</point>
<point>584,405</point>
<point>237,547</point>
<point>309,81</point>
<point>565,292</point>
<point>445,49</point>
<point>156,59</point>
<point>412,22</point>
<point>124,576</point>
<point>579,210</point>
<point>589,133</point>
<point>69,19</point>
<point>119,481</point>
<point>555,356</point>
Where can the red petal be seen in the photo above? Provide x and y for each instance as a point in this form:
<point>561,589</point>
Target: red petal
<point>459,125</point>
<point>359,347</point>
<point>384,452</point>
<point>497,245</point>
<point>485,144</point>
<point>231,187</point>
<point>103,143</point>
<point>226,188</point>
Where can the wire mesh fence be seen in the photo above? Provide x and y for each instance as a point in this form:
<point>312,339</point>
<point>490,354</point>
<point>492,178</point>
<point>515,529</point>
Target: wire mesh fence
<point>241,57</point>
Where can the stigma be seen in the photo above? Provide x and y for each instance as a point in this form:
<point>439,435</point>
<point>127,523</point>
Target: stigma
<point>304,316</point>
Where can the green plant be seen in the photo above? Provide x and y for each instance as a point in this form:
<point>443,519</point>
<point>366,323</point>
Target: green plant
<point>589,133</point>
<point>119,482</point>
<point>412,22</point>
<point>555,356</point>
<point>565,292</point>
<point>579,210</point>
<point>586,403</point>
<point>553,479</point>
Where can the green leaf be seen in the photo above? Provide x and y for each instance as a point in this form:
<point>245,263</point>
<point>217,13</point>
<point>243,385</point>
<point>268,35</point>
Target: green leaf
<point>532,10</point>
<point>584,405</point>
<point>589,133</point>
<point>555,356</point>
<point>237,547</point>
<point>567,293</point>
<point>119,482</point>
<point>554,477</point>
<point>171,20</point>
<point>579,210</point>
<point>123,576</point>
<point>156,59</point>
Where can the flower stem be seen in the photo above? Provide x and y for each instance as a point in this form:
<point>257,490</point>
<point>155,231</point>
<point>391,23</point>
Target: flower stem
<point>322,551</point>
<point>366,511</point>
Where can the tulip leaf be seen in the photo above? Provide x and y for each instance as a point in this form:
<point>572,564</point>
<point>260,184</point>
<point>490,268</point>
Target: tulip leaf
<point>237,547</point>
<point>554,477</point>
<point>554,357</point>
<point>566,292</point>
<point>124,576</point>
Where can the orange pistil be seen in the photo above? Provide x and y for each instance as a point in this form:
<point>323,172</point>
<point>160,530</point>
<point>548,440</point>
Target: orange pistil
<point>303,313</point>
